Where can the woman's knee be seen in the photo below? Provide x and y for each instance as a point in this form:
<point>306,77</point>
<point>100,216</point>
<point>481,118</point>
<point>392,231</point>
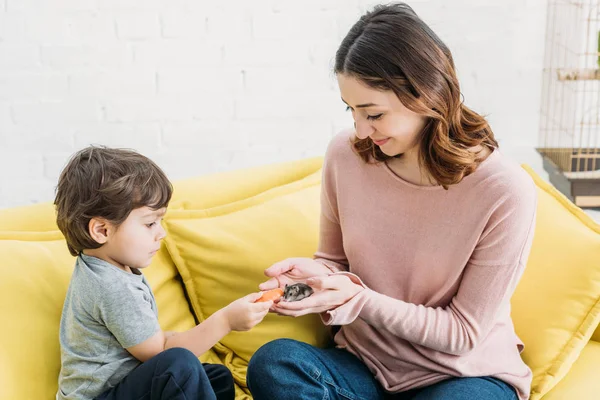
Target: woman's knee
<point>274,357</point>
<point>275,351</point>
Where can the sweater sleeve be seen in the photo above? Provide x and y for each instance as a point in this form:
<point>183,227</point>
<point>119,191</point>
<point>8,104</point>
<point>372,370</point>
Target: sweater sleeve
<point>488,282</point>
<point>330,251</point>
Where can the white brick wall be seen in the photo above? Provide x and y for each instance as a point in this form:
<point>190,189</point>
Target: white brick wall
<point>205,86</point>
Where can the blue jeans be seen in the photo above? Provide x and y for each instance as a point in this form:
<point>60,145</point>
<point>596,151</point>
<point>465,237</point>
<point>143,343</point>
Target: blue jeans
<point>288,369</point>
<point>174,374</point>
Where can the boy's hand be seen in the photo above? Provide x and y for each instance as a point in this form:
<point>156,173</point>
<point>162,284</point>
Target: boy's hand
<point>244,313</point>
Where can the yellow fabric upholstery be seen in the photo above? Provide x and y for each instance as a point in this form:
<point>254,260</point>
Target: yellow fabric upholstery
<point>35,218</point>
<point>227,187</point>
<point>193,193</point>
<point>582,381</point>
<point>596,335</point>
<point>35,269</point>
<point>222,253</point>
<point>556,306</point>
<point>34,276</point>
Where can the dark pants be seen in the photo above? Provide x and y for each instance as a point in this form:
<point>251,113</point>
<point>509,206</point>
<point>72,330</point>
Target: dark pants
<point>174,374</point>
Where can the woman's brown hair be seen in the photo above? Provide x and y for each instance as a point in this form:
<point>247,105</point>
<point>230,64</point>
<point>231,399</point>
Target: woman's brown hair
<point>100,182</point>
<point>391,48</point>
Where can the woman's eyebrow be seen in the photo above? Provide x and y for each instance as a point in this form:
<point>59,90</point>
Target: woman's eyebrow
<point>362,105</point>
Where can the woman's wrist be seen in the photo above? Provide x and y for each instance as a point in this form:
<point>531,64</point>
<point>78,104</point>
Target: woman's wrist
<point>327,268</point>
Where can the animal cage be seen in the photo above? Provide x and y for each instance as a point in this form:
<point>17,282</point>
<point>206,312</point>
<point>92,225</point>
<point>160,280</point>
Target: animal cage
<point>570,117</point>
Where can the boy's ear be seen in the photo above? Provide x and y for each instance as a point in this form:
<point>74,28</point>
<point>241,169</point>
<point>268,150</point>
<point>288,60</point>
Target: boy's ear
<point>98,229</point>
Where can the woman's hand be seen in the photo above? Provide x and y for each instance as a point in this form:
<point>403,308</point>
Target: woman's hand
<point>292,270</point>
<point>330,292</point>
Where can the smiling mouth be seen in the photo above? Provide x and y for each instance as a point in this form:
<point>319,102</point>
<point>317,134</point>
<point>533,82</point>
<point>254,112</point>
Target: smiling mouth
<point>380,142</point>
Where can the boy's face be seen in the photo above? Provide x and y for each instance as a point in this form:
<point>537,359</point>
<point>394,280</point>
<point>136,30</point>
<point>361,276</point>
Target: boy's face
<point>137,239</point>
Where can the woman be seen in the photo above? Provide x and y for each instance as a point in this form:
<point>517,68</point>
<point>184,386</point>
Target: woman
<point>425,232</point>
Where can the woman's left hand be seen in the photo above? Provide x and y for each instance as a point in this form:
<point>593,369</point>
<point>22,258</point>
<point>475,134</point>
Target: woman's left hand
<point>329,292</point>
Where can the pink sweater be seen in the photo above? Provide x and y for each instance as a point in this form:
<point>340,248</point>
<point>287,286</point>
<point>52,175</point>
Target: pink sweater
<point>438,266</point>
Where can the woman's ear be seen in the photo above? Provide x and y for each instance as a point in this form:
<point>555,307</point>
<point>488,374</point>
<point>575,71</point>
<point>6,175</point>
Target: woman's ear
<point>98,229</point>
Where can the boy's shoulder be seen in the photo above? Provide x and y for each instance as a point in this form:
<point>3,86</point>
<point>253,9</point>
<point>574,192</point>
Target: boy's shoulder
<point>90,275</point>
<point>110,296</point>
<point>97,281</point>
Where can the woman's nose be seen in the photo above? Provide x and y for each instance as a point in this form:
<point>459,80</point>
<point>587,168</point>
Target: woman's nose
<point>363,129</point>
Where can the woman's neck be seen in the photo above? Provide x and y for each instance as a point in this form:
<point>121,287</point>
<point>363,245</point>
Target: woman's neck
<point>408,168</point>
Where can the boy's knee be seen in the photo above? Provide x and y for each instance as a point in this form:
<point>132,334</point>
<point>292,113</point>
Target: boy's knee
<point>220,371</point>
<point>181,359</point>
<point>219,374</point>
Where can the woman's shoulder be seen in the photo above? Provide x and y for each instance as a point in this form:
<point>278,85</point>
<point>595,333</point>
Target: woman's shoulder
<point>501,178</point>
<point>340,145</point>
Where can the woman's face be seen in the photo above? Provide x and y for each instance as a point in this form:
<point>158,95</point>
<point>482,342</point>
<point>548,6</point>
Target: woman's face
<point>381,116</point>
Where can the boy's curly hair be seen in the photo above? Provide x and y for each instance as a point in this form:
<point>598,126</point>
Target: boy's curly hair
<point>101,182</point>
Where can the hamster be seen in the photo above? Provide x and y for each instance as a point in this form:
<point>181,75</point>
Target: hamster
<point>296,292</point>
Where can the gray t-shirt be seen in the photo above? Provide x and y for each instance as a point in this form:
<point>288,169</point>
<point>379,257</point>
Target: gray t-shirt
<point>106,310</point>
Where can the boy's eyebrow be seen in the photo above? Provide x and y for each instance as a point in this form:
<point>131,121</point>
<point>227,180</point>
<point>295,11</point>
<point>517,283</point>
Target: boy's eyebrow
<point>154,213</point>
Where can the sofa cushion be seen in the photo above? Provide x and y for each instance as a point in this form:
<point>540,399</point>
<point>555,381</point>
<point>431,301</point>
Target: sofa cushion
<point>35,269</point>
<point>596,335</point>
<point>556,306</point>
<point>34,218</point>
<point>193,193</point>
<point>222,253</point>
<point>582,381</point>
<point>226,187</point>
<point>34,275</point>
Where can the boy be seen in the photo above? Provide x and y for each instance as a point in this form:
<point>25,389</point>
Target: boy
<point>109,205</point>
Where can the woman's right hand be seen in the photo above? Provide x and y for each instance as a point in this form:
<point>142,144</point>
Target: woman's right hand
<point>292,270</point>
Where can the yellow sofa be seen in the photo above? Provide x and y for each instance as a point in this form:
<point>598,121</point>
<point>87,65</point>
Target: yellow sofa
<point>225,229</point>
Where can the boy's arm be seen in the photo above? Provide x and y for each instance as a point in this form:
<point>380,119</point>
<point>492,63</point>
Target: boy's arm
<point>241,315</point>
<point>198,339</point>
